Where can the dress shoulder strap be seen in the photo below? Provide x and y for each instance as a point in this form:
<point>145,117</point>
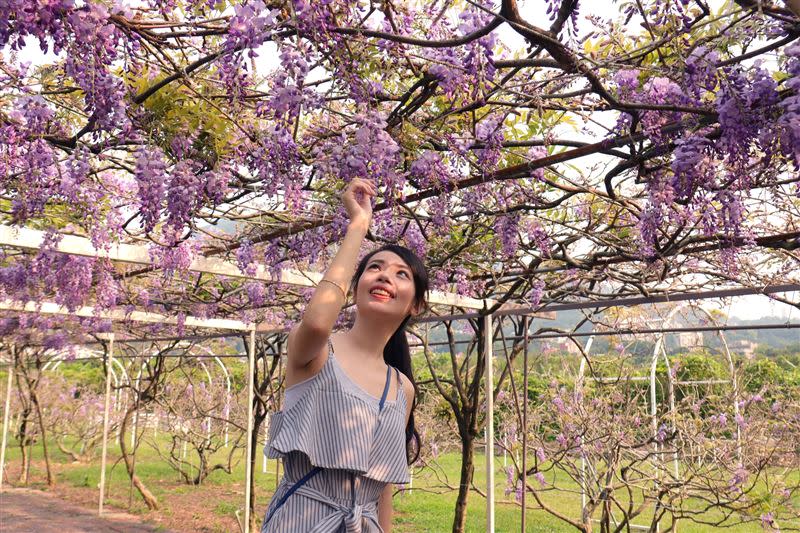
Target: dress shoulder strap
<point>386,387</point>
<point>400,390</point>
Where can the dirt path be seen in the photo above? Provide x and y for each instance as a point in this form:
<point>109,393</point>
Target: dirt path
<point>24,510</point>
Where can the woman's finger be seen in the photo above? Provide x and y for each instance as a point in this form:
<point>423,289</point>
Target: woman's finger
<point>361,186</point>
<point>367,188</point>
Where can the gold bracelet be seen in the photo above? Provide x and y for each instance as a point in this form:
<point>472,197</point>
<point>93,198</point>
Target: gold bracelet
<point>344,293</point>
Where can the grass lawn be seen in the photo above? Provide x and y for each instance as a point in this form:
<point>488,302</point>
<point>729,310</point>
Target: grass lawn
<point>213,506</point>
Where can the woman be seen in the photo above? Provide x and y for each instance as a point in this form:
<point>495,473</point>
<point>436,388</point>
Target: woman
<point>346,432</point>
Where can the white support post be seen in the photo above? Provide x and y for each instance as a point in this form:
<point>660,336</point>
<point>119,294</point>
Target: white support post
<point>489,387</point>
<point>6,414</point>
<point>251,363</point>
<point>524,423</point>
<point>106,408</point>
<point>578,387</point>
<point>266,438</point>
<point>657,457</point>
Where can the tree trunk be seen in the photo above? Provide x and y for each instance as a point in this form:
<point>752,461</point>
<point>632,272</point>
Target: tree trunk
<point>467,472</point>
<point>26,462</point>
<point>35,401</point>
<point>586,517</point>
<point>24,440</point>
<point>74,456</point>
<point>259,415</point>
<point>146,495</point>
<point>202,468</point>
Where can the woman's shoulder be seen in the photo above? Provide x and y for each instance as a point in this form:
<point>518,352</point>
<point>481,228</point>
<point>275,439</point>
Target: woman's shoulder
<point>408,390</point>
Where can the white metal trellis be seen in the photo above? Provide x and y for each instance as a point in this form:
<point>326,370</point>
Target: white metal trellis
<point>659,350</point>
<point>138,316</point>
<point>584,463</point>
<point>27,238</point>
<point>54,363</point>
<point>210,386</point>
<point>227,375</point>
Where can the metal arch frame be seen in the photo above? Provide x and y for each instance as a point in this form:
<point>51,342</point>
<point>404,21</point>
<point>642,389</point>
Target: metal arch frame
<point>660,349</point>
<point>227,387</point>
<point>579,382</point>
<point>115,406</point>
<point>227,375</point>
<point>210,384</point>
<point>145,361</point>
<point>147,317</point>
<point>56,361</point>
<point>250,388</point>
<point>208,418</point>
<point>135,425</point>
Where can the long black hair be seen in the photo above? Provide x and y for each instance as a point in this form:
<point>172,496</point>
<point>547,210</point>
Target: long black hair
<point>396,352</point>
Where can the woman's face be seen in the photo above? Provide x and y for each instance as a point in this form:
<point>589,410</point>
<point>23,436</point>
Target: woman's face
<point>386,286</point>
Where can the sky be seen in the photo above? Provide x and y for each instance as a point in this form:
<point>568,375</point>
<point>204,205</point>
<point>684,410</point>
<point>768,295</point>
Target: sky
<point>745,308</point>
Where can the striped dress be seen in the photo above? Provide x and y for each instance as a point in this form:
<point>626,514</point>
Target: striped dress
<point>340,446</point>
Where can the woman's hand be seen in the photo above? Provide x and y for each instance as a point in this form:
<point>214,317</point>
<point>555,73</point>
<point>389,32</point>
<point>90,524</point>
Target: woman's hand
<point>357,202</point>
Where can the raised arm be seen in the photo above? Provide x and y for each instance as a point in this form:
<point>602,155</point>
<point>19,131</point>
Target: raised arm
<point>308,338</point>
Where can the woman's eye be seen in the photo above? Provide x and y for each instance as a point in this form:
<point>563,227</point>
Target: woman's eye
<point>373,265</point>
<point>404,273</point>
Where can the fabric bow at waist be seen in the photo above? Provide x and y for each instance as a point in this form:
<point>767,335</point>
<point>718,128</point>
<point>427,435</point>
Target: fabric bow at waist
<point>349,516</point>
